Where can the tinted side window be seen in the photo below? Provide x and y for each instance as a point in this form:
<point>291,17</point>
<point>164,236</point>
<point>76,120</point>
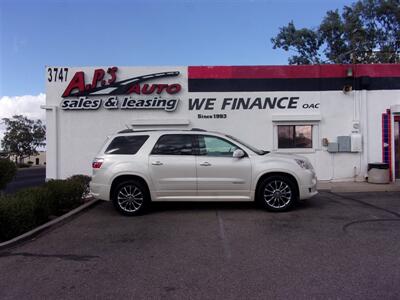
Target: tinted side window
<point>126,144</point>
<point>174,144</point>
<point>214,146</point>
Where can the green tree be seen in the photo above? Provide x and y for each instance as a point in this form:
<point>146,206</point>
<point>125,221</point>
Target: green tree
<point>368,31</point>
<point>23,136</point>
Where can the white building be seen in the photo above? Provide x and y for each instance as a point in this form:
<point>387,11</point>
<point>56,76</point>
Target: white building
<point>341,117</point>
<point>34,160</point>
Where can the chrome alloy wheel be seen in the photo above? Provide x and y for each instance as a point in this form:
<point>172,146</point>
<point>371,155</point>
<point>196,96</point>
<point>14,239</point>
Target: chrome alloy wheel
<point>130,198</point>
<point>277,194</point>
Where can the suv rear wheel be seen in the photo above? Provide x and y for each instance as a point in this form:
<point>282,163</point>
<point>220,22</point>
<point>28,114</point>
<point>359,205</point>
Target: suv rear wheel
<point>277,193</point>
<point>131,198</point>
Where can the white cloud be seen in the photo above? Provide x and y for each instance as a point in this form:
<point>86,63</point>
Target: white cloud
<point>28,106</point>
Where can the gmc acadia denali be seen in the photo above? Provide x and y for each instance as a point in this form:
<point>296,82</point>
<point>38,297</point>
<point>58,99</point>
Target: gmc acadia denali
<point>134,168</point>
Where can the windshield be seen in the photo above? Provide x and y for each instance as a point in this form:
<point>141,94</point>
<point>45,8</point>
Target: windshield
<point>258,151</point>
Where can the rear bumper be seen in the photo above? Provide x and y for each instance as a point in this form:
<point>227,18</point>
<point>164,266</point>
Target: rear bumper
<point>100,191</point>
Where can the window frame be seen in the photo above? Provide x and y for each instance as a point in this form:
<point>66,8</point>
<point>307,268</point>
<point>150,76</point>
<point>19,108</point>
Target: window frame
<point>314,137</point>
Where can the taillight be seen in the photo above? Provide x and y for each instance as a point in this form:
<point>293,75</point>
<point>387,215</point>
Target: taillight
<point>97,162</point>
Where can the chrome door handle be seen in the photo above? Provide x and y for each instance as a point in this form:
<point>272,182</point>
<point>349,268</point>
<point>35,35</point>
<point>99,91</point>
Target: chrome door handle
<point>205,164</point>
<point>157,163</point>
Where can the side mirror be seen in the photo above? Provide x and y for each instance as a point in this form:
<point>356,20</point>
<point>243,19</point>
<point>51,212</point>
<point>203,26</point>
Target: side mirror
<point>238,153</point>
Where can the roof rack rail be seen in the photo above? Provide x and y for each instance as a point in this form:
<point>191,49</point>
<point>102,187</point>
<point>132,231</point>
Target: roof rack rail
<point>126,130</point>
<point>130,130</point>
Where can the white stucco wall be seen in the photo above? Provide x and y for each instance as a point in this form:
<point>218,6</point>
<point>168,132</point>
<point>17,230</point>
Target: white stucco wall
<point>75,136</point>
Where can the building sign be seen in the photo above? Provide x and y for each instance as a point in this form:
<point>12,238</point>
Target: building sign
<point>105,90</point>
<point>250,103</point>
<point>220,107</point>
<point>202,91</point>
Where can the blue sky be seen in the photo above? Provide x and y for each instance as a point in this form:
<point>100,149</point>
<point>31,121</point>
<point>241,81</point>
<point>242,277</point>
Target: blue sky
<point>37,33</point>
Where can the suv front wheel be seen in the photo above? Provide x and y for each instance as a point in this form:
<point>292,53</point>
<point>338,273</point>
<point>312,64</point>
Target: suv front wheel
<point>131,198</point>
<point>277,193</point>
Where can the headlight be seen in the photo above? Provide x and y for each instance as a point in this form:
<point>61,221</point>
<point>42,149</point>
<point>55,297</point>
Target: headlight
<point>304,164</point>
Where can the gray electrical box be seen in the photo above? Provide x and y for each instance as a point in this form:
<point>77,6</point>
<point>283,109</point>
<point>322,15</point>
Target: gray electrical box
<point>344,143</point>
<point>333,147</point>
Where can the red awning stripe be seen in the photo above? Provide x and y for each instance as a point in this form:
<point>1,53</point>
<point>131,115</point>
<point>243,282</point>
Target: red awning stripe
<point>314,71</point>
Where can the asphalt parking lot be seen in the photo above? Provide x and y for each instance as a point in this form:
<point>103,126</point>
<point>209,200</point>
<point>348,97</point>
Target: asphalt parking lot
<point>25,178</point>
<point>333,246</point>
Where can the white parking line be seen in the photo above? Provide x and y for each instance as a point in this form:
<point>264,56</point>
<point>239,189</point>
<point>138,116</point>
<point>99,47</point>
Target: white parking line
<point>224,240</point>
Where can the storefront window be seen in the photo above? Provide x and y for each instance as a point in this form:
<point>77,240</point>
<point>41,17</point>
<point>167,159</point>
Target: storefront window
<point>294,136</point>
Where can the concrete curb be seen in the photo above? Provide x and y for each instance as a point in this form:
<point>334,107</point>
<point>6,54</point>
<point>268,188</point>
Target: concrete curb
<point>357,187</point>
<point>37,230</point>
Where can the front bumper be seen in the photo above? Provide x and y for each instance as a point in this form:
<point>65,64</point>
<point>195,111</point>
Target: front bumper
<point>308,185</point>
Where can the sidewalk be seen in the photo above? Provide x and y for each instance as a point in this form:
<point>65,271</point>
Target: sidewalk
<point>357,187</point>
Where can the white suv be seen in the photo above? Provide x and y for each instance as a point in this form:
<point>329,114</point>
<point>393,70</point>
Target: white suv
<point>134,168</point>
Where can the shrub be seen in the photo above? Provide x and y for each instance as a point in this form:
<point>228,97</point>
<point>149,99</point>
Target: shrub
<point>17,215</point>
<point>43,204</point>
<point>7,172</point>
<point>30,162</point>
<point>32,207</point>
<point>23,165</point>
<point>63,195</point>
<point>84,181</point>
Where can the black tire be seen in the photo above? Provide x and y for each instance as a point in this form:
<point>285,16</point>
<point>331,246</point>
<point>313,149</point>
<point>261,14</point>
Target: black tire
<point>277,193</point>
<point>131,198</point>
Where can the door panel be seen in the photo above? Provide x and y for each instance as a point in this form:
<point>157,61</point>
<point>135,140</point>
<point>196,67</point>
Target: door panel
<point>223,176</point>
<point>172,166</point>
<point>173,176</point>
<point>218,173</point>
